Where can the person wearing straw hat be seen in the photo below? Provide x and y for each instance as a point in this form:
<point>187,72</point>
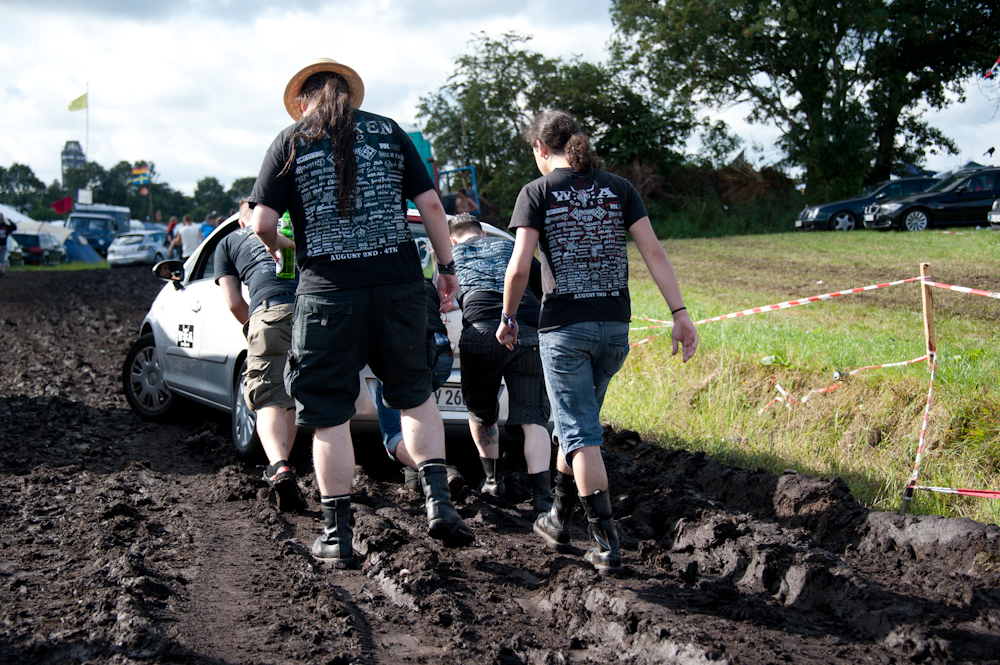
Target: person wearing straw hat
<point>344,175</point>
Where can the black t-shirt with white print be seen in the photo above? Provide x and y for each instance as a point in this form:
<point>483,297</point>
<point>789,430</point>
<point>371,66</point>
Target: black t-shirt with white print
<point>374,245</point>
<point>581,219</point>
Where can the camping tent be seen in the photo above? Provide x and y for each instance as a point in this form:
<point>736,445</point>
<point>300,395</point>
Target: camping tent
<point>77,247</point>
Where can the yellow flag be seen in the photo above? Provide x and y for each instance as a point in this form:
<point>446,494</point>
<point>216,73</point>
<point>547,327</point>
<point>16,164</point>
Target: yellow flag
<point>79,103</point>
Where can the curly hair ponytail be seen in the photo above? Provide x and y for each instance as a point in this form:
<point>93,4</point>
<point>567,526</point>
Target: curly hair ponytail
<point>558,131</point>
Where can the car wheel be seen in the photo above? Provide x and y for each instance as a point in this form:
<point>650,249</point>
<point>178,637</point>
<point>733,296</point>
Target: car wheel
<point>145,390</point>
<point>845,220</point>
<point>46,261</point>
<point>245,437</point>
<point>157,259</point>
<point>916,220</point>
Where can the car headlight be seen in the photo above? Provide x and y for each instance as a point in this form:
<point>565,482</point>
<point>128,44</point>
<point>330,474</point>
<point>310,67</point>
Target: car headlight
<point>810,213</point>
<point>996,204</point>
<point>891,207</point>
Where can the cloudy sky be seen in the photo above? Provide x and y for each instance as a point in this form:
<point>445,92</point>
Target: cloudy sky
<point>195,86</point>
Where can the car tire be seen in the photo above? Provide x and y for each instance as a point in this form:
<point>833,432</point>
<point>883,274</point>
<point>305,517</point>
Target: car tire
<point>845,220</point>
<point>46,261</point>
<point>916,220</point>
<point>157,259</point>
<point>245,439</point>
<point>142,380</point>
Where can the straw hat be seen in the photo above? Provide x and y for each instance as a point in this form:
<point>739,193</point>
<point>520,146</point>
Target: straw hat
<point>294,87</point>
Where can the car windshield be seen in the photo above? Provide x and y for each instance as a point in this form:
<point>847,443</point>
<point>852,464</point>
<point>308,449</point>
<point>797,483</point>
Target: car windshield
<point>88,223</point>
<point>26,240</point>
<point>947,183</point>
<point>127,240</point>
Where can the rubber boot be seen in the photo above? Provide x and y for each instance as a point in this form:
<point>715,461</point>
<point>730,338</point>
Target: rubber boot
<point>541,491</point>
<point>456,481</point>
<point>553,526</point>
<point>335,545</point>
<point>493,484</point>
<point>606,557</point>
<point>443,521</point>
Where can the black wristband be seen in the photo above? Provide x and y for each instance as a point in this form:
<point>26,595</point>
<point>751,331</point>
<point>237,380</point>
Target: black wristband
<point>509,320</point>
<point>672,312</point>
<point>446,269</point>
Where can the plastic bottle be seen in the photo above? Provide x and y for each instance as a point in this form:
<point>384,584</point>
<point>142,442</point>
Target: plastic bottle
<point>286,268</point>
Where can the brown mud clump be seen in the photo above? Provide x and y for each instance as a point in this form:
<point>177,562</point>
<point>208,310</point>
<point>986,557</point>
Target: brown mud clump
<point>123,541</point>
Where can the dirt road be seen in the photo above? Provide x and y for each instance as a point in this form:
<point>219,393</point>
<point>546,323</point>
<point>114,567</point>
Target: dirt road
<point>124,542</point>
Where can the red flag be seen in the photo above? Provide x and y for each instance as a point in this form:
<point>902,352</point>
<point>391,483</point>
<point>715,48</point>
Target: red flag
<point>63,206</point>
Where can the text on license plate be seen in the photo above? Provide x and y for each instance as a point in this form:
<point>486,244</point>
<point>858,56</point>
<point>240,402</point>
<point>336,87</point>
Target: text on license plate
<point>869,218</point>
<point>449,398</point>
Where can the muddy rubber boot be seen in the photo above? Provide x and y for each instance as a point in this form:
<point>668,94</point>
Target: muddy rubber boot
<point>553,526</point>
<point>493,484</point>
<point>443,521</point>
<point>541,491</point>
<point>335,545</point>
<point>606,557</point>
<point>456,481</point>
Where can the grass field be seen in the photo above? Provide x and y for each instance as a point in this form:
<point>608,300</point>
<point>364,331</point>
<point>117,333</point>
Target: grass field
<point>866,430</point>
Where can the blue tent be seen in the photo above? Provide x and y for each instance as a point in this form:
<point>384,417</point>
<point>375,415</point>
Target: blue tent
<point>78,249</point>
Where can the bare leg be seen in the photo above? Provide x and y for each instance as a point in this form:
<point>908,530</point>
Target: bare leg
<point>423,434</point>
<point>589,471</point>
<point>486,438</point>
<point>537,448</point>
<point>276,435</point>
<point>561,465</point>
<point>333,457</point>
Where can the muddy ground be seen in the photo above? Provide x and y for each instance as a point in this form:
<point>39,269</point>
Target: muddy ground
<point>123,541</point>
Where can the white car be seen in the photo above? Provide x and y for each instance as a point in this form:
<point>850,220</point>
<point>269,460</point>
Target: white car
<point>138,247</point>
<point>190,346</point>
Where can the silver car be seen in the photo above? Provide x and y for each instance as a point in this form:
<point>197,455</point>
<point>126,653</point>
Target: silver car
<point>138,248</point>
<point>190,346</point>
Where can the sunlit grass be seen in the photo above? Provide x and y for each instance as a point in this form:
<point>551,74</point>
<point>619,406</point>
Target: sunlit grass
<point>62,267</point>
<point>866,430</point>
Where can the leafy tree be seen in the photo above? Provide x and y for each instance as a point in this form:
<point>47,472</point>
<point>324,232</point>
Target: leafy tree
<point>241,187</point>
<point>210,195</point>
<point>20,187</point>
<point>718,144</point>
<point>831,74</point>
<point>478,116</point>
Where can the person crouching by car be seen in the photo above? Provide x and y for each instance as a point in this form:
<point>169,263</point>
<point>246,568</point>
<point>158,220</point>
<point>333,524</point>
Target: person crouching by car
<point>267,323</point>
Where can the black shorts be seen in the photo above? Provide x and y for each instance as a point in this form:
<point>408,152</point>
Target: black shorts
<point>484,362</point>
<point>335,334</point>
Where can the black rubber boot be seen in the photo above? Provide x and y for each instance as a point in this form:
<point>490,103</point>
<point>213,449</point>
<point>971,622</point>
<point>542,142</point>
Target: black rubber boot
<point>443,521</point>
<point>541,491</point>
<point>553,526</point>
<point>335,545</point>
<point>493,484</point>
<point>606,557</point>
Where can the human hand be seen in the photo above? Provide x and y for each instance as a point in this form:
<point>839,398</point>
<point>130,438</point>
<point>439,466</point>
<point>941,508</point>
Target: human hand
<point>447,288</point>
<point>685,335</point>
<point>507,335</point>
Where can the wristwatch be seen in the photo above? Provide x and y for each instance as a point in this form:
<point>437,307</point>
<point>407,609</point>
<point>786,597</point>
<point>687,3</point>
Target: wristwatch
<point>446,268</point>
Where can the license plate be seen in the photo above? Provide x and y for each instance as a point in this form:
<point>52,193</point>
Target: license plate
<point>449,398</point>
<point>869,218</point>
<point>798,223</point>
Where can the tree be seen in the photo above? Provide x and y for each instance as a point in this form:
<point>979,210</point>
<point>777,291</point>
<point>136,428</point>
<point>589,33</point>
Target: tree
<point>478,116</point>
<point>831,74</point>
<point>240,188</point>
<point>718,144</point>
<point>20,187</point>
<point>210,196</point>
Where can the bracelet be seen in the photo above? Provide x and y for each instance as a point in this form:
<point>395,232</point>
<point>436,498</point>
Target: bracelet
<point>674,311</point>
<point>446,268</point>
<point>509,320</point>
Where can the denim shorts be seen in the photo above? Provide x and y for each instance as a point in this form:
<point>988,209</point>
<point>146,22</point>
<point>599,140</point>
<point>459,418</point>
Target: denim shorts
<point>336,333</point>
<point>485,362</point>
<point>579,361</point>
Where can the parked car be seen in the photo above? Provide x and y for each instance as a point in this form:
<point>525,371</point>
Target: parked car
<point>138,248</point>
<point>846,215</point>
<point>962,198</point>
<point>41,248</point>
<point>15,257</point>
<point>190,346</point>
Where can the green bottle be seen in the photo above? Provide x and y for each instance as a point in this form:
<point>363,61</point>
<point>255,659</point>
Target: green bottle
<point>286,269</point>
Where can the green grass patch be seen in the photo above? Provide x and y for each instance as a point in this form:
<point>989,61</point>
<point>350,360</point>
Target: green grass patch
<point>866,430</point>
<point>63,267</point>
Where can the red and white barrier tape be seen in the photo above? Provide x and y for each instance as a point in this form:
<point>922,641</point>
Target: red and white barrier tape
<point>923,428</point>
<point>982,494</point>
<point>836,375</point>
<point>965,289</point>
<point>770,308</point>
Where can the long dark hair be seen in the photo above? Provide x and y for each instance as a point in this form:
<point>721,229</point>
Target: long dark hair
<point>333,117</point>
<point>558,131</point>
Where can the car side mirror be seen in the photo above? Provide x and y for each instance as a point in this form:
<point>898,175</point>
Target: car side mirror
<point>170,271</point>
<point>960,189</point>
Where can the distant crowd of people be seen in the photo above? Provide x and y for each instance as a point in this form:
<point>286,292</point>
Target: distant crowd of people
<point>555,328</point>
